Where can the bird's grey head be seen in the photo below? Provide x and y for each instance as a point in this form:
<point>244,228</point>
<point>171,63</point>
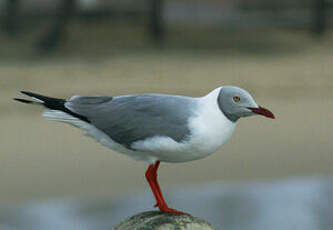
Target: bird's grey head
<point>236,102</point>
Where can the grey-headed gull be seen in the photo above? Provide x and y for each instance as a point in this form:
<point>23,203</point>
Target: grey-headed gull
<point>156,127</point>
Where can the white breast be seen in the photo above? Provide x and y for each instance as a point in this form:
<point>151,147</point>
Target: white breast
<point>210,128</point>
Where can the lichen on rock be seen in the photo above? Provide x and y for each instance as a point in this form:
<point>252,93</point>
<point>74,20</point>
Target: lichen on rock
<point>155,220</point>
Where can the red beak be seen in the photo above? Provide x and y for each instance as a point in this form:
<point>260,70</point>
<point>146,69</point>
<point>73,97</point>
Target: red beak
<point>262,111</point>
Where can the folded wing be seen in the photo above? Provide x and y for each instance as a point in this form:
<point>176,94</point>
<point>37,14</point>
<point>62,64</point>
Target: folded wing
<point>126,119</point>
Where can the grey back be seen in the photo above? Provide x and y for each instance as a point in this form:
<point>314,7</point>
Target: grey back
<point>127,119</point>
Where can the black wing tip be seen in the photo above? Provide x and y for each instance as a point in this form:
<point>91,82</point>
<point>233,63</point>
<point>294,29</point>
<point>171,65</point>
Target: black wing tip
<point>27,93</point>
<point>23,100</point>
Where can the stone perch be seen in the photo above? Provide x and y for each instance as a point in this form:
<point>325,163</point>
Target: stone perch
<point>155,220</point>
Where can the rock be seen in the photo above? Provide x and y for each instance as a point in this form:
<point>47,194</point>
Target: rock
<point>155,220</point>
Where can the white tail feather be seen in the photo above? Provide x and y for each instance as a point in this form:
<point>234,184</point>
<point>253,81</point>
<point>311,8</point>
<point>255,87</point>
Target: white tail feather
<point>56,115</point>
<point>91,130</point>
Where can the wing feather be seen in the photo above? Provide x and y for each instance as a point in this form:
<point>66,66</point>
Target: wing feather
<point>127,119</point>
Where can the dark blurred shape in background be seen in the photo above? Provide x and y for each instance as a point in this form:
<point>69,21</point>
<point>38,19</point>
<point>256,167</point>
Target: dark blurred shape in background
<point>313,15</point>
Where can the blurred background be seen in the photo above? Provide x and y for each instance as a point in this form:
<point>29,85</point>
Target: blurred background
<point>272,174</point>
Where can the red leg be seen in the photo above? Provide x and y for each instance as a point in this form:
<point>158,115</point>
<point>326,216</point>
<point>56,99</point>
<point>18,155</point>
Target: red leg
<point>151,176</point>
<point>156,182</point>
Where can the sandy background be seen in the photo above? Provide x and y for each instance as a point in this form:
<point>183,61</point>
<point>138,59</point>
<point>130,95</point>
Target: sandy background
<point>288,72</point>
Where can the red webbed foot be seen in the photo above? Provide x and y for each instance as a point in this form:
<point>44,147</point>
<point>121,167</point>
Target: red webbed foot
<point>171,210</point>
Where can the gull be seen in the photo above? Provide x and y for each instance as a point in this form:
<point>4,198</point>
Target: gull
<point>156,127</point>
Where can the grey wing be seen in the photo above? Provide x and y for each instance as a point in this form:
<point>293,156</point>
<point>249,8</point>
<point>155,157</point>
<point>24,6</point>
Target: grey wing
<point>126,119</point>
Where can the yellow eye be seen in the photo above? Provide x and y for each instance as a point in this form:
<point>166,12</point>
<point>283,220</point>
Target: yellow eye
<point>236,98</point>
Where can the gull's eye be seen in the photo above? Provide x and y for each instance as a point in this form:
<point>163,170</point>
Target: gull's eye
<point>236,98</point>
